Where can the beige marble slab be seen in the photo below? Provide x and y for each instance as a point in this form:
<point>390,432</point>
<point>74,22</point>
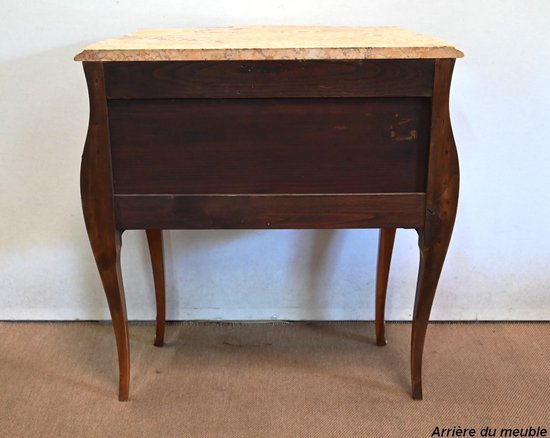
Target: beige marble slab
<point>268,42</point>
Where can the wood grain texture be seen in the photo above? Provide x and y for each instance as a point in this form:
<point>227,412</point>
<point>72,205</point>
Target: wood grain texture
<point>441,205</point>
<point>156,251</point>
<point>261,146</point>
<point>96,189</point>
<point>269,79</point>
<point>269,212</point>
<point>385,249</point>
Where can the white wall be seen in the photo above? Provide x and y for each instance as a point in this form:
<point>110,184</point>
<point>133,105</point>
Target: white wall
<point>498,264</point>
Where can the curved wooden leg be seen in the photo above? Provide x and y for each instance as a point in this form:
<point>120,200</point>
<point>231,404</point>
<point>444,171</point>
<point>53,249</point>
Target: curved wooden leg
<point>156,250</point>
<point>441,204</point>
<point>96,189</point>
<point>106,243</point>
<point>385,249</point>
<point>431,263</point>
<point>108,263</point>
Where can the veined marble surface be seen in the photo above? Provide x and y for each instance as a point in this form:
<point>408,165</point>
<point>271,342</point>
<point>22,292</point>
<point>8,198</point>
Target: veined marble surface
<point>255,43</point>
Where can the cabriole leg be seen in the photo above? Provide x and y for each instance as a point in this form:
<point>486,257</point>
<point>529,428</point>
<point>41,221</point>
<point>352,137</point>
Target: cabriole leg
<point>156,250</point>
<point>385,249</point>
<point>441,204</point>
<point>96,190</point>
<point>107,255</point>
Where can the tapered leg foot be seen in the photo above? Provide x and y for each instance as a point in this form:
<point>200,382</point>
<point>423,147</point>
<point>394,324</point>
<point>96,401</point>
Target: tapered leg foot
<point>385,249</point>
<point>431,263</point>
<point>107,255</point>
<point>156,250</point>
<point>124,382</point>
<point>417,391</point>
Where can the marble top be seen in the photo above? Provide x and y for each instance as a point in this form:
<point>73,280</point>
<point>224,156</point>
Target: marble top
<point>268,42</point>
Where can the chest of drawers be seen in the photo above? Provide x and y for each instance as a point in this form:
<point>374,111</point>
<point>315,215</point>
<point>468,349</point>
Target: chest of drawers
<point>269,128</point>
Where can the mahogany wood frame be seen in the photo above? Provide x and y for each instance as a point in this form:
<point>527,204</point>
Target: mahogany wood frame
<point>431,169</point>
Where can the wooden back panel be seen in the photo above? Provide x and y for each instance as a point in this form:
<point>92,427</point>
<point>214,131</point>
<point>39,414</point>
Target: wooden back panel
<point>242,79</point>
<point>236,146</point>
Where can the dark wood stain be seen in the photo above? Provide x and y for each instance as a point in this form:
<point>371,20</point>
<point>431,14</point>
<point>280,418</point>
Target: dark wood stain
<point>281,211</point>
<point>242,79</point>
<point>270,145</point>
